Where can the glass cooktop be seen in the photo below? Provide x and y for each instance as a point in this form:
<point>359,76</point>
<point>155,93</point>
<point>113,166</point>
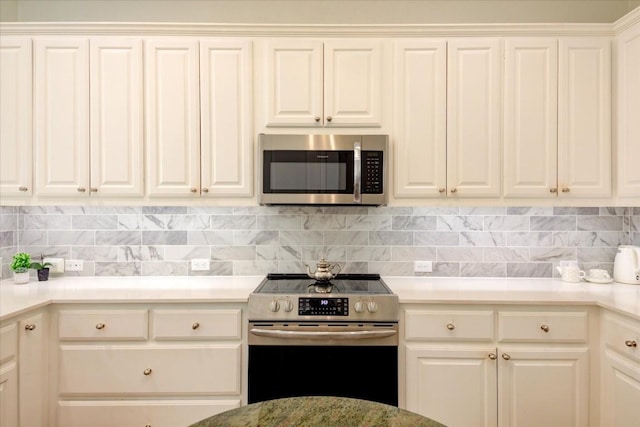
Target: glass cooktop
<point>342,283</point>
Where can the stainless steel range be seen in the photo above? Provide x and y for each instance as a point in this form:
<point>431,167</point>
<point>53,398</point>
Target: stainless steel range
<point>335,337</point>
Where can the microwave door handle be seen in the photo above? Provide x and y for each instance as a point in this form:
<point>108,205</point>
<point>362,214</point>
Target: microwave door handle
<point>357,176</point>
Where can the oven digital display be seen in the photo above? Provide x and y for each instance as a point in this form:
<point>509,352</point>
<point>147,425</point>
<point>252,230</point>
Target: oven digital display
<point>323,306</point>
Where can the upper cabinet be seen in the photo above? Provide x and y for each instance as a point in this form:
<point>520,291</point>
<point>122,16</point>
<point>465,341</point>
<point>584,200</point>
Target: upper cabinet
<point>172,113</point>
<point>15,116</point>
<point>88,117</point>
<point>334,83</point>
<point>628,113</point>
<point>557,126</point>
<point>198,117</point>
<point>447,118</point>
<point>61,115</point>
<point>584,117</point>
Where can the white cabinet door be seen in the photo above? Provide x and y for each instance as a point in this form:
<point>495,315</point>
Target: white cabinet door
<point>621,388</point>
<point>116,116</point>
<point>33,371</point>
<point>15,117</point>
<point>454,387</point>
<point>627,113</point>
<point>353,83</point>
<point>9,394</point>
<point>420,96</point>
<point>584,117</point>
<point>474,105</point>
<point>225,97</point>
<point>336,83</point>
<point>61,114</point>
<point>531,118</point>
<point>294,83</point>
<point>172,117</point>
<point>546,387</point>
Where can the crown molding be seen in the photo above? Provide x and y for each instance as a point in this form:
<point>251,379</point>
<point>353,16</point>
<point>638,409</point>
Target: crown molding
<point>627,21</point>
<point>251,30</point>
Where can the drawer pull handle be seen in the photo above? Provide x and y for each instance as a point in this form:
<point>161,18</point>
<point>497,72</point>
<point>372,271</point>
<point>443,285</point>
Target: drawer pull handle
<point>23,189</point>
<point>505,356</point>
<point>630,343</point>
<point>29,327</point>
<point>566,190</point>
<point>492,356</point>
<point>195,326</point>
<point>100,326</point>
<point>451,326</point>
<point>147,371</point>
<point>545,328</point>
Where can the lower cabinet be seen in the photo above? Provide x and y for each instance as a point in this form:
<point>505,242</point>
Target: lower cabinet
<point>473,367</point>
<point>147,366</point>
<point>9,375</point>
<point>620,371</point>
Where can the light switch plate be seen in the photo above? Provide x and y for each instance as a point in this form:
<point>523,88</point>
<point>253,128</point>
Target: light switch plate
<point>57,264</point>
<point>423,266</point>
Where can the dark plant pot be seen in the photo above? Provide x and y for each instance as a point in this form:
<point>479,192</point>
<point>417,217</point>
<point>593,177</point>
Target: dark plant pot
<point>43,275</point>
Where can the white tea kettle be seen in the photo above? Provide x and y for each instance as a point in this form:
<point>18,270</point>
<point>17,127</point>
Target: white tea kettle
<point>626,267</point>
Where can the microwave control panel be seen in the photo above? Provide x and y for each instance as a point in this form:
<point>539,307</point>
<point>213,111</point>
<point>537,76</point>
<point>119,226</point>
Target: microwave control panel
<point>372,172</point>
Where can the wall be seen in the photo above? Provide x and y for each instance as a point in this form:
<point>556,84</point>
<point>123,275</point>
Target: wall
<point>490,242</point>
<point>317,11</point>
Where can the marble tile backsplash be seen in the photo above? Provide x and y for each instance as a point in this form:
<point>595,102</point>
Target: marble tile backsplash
<point>483,241</point>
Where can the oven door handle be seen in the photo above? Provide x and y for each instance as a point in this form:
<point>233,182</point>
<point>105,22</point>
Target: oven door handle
<point>323,335</point>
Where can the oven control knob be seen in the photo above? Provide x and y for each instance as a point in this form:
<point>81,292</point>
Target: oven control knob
<point>274,306</point>
<point>288,305</point>
<point>359,307</point>
<point>372,306</point>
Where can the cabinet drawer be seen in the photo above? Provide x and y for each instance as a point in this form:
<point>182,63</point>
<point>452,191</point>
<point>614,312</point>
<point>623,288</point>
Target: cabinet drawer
<point>127,370</point>
<point>139,413</point>
<point>96,325</point>
<point>196,324</point>
<point>8,342</point>
<point>542,327</point>
<point>622,335</point>
<point>449,325</point>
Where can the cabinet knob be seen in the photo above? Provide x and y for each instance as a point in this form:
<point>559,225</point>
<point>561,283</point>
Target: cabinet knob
<point>566,190</point>
<point>454,190</point>
<point>329,118</point>
<point>195,326</point>
<point>317,119</point>
<point>492,356</point>
<point>544,328</point>
<point>100,326</point>
<point>81,189</point>
<point>94,190</point>
<point>194,190</point>
<point>553,190</point>
<point>441,190</point>
<point>205,190</point>
<point>631,343</point>
<point>23,188</point>
<point>505,356</point>
<point>29,327</point>
<point>451,326</point>
<point>147,371</point>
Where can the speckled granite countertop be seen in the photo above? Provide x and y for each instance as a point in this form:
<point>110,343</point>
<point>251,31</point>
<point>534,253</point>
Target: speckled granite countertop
<point>317,411</point>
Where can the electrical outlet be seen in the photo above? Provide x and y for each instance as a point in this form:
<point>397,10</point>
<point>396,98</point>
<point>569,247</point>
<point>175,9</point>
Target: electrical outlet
<point>201,264</point>
<point>423,266</point>
<point>74,265</point>
<point>57,264</point>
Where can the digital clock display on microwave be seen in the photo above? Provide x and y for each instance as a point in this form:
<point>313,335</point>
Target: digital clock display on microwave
<point>323,306</point>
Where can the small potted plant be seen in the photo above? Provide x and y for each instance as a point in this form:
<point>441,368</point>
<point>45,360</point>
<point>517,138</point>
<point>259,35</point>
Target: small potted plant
<point>20,266</point>
<point>42,268</point>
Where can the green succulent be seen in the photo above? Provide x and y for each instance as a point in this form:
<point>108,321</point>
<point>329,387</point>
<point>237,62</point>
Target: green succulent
<point>21,262</point>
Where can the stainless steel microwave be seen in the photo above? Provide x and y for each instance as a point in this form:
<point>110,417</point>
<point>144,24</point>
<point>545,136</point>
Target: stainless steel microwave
<point>323,169</point>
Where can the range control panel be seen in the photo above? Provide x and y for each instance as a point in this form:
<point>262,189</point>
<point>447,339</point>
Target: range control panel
<point>372,172</point>
<point>323,306</point>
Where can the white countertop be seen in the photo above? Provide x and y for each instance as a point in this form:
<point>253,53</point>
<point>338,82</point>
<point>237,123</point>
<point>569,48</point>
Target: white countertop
<point>16,299</point>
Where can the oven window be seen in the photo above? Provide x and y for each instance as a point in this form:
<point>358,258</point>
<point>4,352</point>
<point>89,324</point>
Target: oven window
<point>308,172</point>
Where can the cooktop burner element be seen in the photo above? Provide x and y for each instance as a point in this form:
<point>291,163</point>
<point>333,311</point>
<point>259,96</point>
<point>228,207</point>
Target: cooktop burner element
<point>346,297</point>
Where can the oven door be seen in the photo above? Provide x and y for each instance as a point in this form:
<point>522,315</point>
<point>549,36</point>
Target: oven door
<point>331,359</point>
